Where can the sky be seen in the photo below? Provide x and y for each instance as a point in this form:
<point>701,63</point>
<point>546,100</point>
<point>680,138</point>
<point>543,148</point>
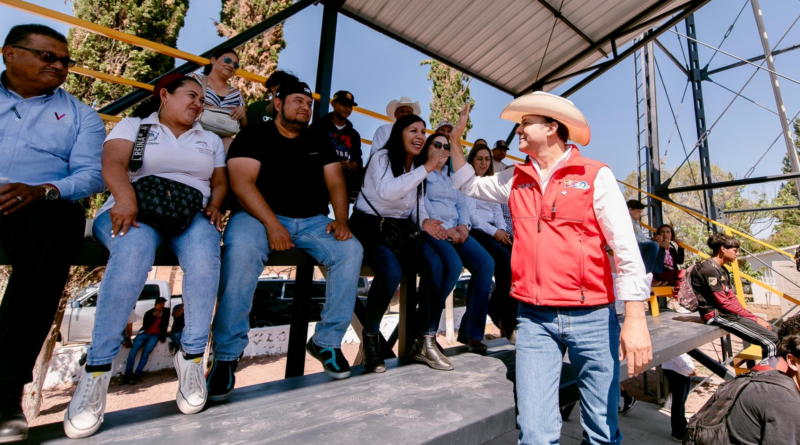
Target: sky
<point>377,69</point>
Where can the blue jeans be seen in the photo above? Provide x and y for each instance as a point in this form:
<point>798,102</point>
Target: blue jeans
<point>478,261</point>
<point>591,337</point>
<point>653,257</point>
<point>244,254</point>
<point>146,341</point>
<point>132,255</point>
<point>502,307</point>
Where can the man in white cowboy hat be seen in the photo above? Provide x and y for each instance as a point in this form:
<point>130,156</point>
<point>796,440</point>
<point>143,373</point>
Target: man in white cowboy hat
<point>395,110</point>
<point>566,209</point>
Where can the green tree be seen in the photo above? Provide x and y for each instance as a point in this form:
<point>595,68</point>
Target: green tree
<point>260,55</point>
<point>787,195</point>
<point>450,92</point>
<point>159,21</point>
<point>692,231</point>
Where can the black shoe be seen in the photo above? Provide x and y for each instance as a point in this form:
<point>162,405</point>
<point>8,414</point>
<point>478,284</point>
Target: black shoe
<point>628,403</point>
<point>13,426</point>
<point>371,347</point>
<point>332,359</point>
<point>135,379</point>
<point>426,350</point>
<point>126,379</point>
<point>221,380</point>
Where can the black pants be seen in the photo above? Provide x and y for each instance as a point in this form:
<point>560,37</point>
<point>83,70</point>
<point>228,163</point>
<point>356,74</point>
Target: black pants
<point>502,307</point>
<point>40,241</point>
<point>679,386</point>
<point>751,332</point>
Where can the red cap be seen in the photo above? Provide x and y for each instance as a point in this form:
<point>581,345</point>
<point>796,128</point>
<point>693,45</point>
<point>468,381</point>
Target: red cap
<point>164,81</point>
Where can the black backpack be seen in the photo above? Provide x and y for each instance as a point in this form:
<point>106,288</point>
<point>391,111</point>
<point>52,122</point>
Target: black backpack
<point>710,425</point>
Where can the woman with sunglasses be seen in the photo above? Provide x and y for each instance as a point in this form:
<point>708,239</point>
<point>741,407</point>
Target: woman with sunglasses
<point>393,187</point>
<point>489,228</point>
<point>219,93</point>
<point>459,250</point>
<point>177,150</point>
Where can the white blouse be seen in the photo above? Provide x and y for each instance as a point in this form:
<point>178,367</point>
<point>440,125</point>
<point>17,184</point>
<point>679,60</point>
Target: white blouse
<point>486,216</point>
<point>392,197</point>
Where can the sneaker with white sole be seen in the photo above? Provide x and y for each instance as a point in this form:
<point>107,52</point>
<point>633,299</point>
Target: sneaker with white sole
<point>85,412</point>
<point>676,306</point>
<point>192,393</point>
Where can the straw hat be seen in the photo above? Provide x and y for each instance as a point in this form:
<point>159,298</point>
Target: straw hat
<point>403,102</point>
<point>555,107</point>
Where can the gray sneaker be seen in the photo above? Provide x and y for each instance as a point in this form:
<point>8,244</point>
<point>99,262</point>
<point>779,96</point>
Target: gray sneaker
<point>192,393</point>
<point>85,412</point>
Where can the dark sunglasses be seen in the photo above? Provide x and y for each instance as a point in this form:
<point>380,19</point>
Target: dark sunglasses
<point>49,57</point>
<point>438,144</point>
<point>230,61</point>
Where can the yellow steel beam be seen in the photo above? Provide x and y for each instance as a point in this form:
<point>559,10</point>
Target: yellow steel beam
<point>110,78</point>
<point>109,118</point>
<point>118,35</point>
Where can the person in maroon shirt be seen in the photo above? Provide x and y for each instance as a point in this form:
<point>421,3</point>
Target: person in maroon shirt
<point>717,302</point>
<point>154,329</point>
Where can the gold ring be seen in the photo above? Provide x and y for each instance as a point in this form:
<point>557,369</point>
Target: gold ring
<point>20,198</point>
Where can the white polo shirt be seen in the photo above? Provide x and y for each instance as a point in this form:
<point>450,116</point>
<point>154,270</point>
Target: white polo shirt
<point>189,159</point>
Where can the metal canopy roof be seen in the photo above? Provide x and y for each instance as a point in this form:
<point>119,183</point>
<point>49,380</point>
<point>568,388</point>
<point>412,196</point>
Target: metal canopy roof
<point>503,42</point>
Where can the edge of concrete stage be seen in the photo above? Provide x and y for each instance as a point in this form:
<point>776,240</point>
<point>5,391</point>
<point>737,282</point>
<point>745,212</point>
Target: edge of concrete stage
<point>409,404</point>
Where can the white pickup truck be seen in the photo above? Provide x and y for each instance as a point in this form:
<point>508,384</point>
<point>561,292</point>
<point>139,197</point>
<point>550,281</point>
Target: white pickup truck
<point>80,312</point>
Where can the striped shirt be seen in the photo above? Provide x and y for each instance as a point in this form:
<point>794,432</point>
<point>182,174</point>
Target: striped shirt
<point>232,100</point>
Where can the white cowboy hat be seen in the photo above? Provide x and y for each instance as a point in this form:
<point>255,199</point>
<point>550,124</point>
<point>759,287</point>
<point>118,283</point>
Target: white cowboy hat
<point>555,107</point>
<point>403,102</point>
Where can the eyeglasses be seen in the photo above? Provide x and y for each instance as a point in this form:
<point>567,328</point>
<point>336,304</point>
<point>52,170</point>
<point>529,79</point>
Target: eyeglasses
<point>49,57</point>
<point>438,144</point>
<point>230,61</point>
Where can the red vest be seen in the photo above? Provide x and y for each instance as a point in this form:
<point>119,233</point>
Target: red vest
<point>559,256</point>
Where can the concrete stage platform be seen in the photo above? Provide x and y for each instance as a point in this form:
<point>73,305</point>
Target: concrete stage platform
<point>409,404</point>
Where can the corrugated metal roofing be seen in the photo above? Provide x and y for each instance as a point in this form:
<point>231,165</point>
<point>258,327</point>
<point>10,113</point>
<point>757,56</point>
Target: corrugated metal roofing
<point>505,41</point>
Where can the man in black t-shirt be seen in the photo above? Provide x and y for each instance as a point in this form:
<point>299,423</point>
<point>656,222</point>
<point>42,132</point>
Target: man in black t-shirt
<point>717,302</point>
<point>337,131</point>
<point>284,178</point>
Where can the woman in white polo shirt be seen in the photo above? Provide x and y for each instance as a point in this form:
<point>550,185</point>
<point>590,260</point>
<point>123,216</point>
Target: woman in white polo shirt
<point>177,153</point>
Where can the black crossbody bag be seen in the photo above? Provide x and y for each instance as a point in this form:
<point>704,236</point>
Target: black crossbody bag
<point>165,205</point>
<point>399,235</point>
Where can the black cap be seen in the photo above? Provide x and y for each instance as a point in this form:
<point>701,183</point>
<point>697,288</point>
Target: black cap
<point>345,97</point>
<point>501,144</point>
<point>289,88</point>
<point>161,300</point>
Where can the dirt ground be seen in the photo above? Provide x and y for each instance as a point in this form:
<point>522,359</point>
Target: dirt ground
<point>161,386</point>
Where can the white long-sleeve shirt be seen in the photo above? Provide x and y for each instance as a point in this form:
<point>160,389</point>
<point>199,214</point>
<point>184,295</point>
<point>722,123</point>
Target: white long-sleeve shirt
<point>392,197</point>
<point>632,283</point>
<point>486,216</point>
<point>681,364</point>
<point>379,139</point>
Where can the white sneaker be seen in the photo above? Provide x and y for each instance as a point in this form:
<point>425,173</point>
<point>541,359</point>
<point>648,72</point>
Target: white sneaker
<point>675,306</point>
<point>85,411</point>
<point>192,393</point>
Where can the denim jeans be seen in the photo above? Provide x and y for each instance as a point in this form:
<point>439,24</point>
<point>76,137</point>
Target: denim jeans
<point>436,278</point>
<point>653,257</point>
<point>478,261</point>
<point>132,255</point>
<point>591,338</point>
<point>502,307</point>
<point>244,254</point>
<point>145,342</point>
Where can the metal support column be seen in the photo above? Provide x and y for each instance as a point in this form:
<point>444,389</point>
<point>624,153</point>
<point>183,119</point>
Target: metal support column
<point>696,77</point>
<point>327,43</point>
<point>653,153</point>
<point>786,125</point>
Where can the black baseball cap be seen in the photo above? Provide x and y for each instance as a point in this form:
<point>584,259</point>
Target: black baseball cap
<point>161,300</point>
<point>345,97</point>
<point>289,88</point>
<point>501,145</point>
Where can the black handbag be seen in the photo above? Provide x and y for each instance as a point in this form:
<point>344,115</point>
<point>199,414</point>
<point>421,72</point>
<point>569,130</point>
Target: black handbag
<point>399,235</point>
<point>165,205</point>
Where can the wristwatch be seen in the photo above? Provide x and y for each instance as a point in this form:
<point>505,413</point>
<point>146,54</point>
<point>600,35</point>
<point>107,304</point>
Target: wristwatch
<point>50,193</point>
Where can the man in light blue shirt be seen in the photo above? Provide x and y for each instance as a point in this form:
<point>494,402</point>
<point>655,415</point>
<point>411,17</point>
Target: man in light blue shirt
<point>50,147</point>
